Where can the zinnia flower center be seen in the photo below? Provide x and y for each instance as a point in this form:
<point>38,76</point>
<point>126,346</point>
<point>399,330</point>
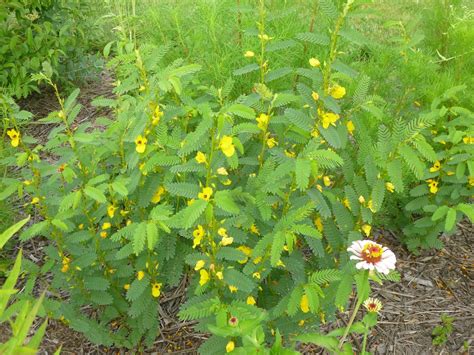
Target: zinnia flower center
<point>371,253</point>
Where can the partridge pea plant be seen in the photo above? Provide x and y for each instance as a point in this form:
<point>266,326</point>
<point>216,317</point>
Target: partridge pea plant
<point>266,201</point>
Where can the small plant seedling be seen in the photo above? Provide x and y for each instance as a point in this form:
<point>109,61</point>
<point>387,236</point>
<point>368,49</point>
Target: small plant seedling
<point>441,333</point>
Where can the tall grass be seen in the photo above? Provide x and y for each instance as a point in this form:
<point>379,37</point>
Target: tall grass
<point>406,40</point>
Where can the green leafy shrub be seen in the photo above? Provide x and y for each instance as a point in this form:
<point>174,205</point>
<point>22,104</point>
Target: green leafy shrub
<point>41,35</point>
<point>437,205</point>
<point>256,198</point>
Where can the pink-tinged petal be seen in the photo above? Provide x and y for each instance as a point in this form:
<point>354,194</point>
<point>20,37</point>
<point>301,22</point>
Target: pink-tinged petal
<point>355,253</point>
<point>390,259</point>
<point>371,266</point>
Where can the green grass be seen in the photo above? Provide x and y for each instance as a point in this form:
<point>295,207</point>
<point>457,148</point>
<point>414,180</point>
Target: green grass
<point>216,33</point>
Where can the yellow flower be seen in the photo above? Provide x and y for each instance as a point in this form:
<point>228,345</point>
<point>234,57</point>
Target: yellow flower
<point>227,182</point>
<point>254,229</point>
<point>227,241</point>
<point>265,37</point>
<point>249,54</point>
<point>370,206</point>
<point>103,234</point>
<point>199,265</point>
<point>314,62</point>
<point>350,127</point>
<point>233,289</point>
<point>81,226</point>
<point>157,195</point>
<point>262,121</point>
<point>257,260</point>
<point>271,142</point>
<point>390,187</point>
<point>366,228</point>
<point>257,275</point>
<point>346,203</point>
<point>140,144</point>
<point>227,146</point>
<point>327,181</point>
<point>65,267</point>
<point>198,234</point>
<point>230,346</point>
<point>329,118</point>
<point>27,182</point>
<point>219,275</point>
<point>65,263</point>
<point>126,286</point>
<point>436,166</point>
<point>319,224</point>
<point>14,137</point>
<point>156,290</point>
<point>337,92</point>
<point>204,277</point>
<point>468,140</point>
<point>35,200</point>
<point>222,171</point>
<point>433,185</point>
<point>245,249</point>
<point>201,158</point>
<point>206,193</point>
<point>304,304</point>
<point>315,133</point>
<point>290,154</point>
<point>190,202</point>
<point>157,114</point>
<point>361,199</point>
<point>142,167</point>
<point>315,96</point>
<point>251,301</point>
<point>301,323</point>
<point>140,275</point>
<point>471,180</point>
<point>450,173</point>
<point>222,232</point>
<point>111,211</point>
<point>106,226</point>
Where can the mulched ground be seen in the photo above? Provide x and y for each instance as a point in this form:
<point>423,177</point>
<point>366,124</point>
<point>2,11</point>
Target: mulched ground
<point>433,283</point>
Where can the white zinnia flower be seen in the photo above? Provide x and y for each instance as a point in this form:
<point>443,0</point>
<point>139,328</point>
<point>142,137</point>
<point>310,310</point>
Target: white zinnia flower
<point>372,256</point>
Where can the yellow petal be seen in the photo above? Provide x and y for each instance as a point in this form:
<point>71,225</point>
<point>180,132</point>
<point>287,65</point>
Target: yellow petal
<point>304,304</point>
<point>250,300</point>
<point>199,265</point>
<point>230,346</point>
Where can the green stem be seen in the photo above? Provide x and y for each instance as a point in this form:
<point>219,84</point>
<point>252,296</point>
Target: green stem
<point>364,343</point>
<point>351,320</point>
<point>354,313</point>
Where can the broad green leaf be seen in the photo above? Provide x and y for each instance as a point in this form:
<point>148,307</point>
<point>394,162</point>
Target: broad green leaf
<point>6,235</point>
<point>95,194</point>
